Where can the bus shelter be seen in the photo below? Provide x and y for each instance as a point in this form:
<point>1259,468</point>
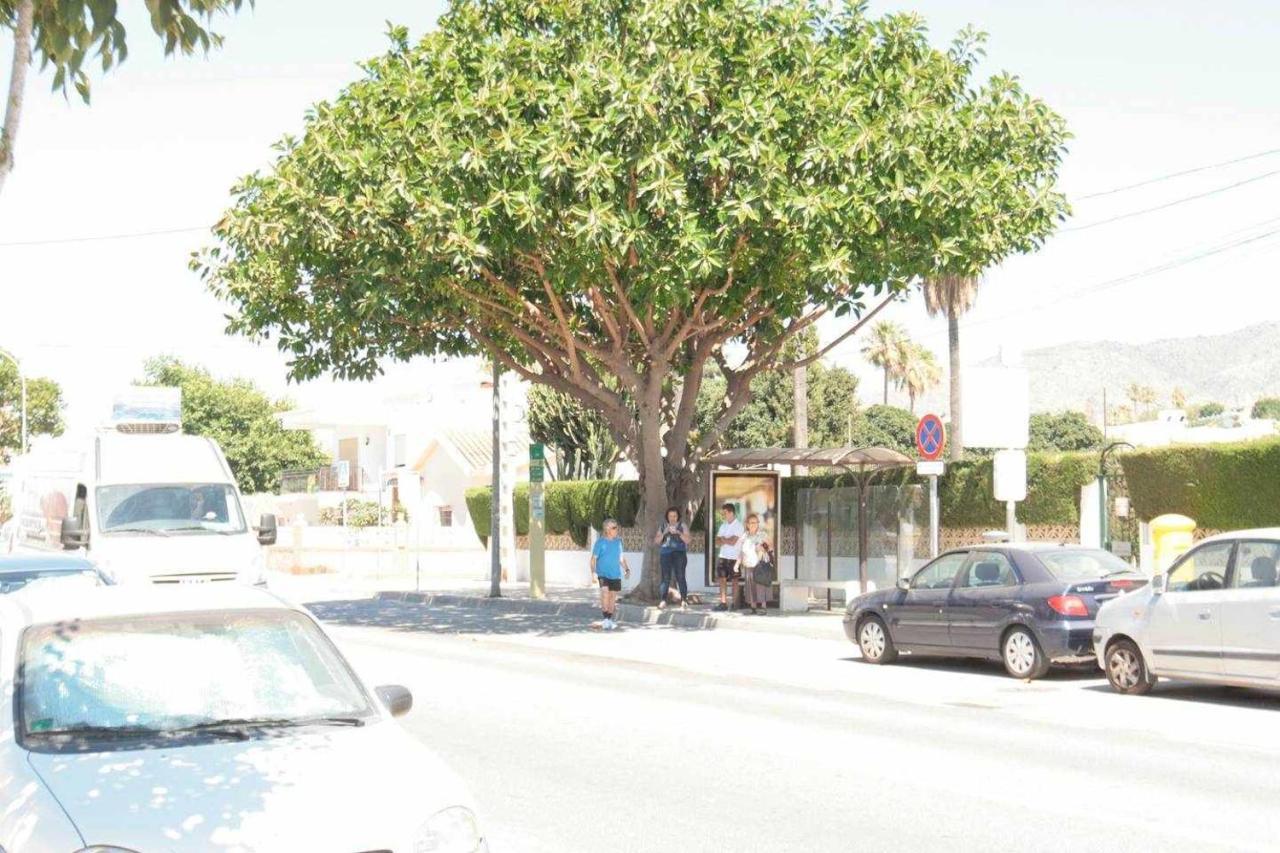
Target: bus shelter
<point>822,516</point>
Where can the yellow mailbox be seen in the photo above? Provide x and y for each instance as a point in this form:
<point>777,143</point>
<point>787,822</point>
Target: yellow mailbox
<point>1172,536</point>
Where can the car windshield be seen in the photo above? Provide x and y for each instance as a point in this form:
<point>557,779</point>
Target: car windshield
<point>12,581</point>
<point>1083,564</point>
<point>186,672</point>
<point>170,509</point>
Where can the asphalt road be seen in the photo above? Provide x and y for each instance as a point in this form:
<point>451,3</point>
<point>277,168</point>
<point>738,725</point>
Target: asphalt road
<point>660,739</point>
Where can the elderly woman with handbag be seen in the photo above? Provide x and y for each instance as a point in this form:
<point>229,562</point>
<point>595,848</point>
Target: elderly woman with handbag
<point>755,561</point>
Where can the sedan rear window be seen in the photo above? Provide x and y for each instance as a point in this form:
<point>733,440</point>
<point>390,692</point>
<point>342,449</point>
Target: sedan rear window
<point>1083,564</point>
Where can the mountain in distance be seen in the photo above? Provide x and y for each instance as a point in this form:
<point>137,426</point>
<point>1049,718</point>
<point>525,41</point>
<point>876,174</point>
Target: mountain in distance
<point>1233,369</point>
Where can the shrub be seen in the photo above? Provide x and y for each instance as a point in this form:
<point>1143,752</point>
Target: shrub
<point>360,513</point>
<point>1221,486</point>
<point>1266,407</point>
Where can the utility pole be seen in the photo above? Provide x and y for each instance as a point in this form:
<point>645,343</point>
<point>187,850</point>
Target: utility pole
<point>800,381</point>
<point>495,502</point>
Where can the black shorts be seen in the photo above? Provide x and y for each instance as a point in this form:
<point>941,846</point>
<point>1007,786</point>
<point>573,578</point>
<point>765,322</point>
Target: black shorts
<point>614,584</point>
<point>726,568</point>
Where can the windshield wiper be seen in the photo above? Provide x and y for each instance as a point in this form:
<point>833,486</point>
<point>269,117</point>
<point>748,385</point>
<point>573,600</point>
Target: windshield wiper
<point>202,529</point>
<point>98,732</point>
<point>271,722</point>
<point>151,530</point>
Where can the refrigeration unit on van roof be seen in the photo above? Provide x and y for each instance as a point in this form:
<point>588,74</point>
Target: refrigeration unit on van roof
<point>147,410</point>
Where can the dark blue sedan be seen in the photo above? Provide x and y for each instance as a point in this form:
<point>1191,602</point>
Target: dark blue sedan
<point>1026,605</point>
<point>20,570</point>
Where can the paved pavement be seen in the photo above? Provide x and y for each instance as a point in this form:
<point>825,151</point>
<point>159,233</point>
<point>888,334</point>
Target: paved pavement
<point>661,738</point>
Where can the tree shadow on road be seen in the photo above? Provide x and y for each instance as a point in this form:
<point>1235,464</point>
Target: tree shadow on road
<point>450,619</point>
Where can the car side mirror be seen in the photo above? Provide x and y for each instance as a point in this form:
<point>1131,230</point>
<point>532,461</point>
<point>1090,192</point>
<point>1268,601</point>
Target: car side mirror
<point>398,699</point>
<point>1159,583</point>
<point>74,534</point>
<point>904,583</point>
<point>267,529</point>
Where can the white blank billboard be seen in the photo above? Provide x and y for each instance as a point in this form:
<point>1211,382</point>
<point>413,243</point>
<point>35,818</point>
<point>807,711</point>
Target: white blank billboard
<point>997,407</point>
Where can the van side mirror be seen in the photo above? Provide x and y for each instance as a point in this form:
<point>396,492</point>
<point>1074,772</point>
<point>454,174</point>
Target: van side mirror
<point>904,583</point>
<point>267,529</point>
<point>74,534</point>
<point>1159,583</point>
<point>397,699</point>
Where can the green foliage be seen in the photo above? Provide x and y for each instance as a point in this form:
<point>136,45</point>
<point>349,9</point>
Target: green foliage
<point>361,513</point>
<point>44,408</point>
<point>69,32</point>
<point>768,419</point>
<point>579,437</point>
<point>885,426</point>
<point>480,508</point>
<point>1221,486</point>
<point>6,507</point>
<point>1210,410</point>
<point>1266,407</point>
<point>242,420</point>
<point>1063,431</point>
<point>572,506</point>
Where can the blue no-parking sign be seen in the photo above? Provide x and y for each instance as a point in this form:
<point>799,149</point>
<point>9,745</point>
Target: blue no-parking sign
<point>931,437</point>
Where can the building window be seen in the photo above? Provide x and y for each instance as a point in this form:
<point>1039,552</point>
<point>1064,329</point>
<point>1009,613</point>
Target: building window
<point>446,516</point>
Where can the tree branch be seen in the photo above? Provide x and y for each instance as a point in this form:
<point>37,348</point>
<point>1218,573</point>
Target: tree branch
<point>862,321</point>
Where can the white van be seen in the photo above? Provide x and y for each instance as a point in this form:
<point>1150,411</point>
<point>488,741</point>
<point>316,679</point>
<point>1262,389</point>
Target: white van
<point>143,505</point>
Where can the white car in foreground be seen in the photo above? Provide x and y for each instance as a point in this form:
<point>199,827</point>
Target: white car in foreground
<point>1214,616</point>
<point>155,719</point>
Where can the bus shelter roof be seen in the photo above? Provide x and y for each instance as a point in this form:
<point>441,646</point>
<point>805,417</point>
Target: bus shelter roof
<point>860,459</point>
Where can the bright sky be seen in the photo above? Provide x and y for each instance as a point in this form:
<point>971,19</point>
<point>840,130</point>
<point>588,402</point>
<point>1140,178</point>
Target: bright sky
<point>1147,87</point>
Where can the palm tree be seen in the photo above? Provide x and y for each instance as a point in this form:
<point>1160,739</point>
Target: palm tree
<point>920,372</point>
<point>952,295</point>
<point>885,350</point>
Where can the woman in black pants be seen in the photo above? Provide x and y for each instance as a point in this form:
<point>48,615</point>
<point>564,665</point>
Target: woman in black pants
<point>673,539</point>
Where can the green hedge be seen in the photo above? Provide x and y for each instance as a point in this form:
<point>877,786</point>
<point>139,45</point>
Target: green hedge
<point>1221,486</point>
<point>964,493</point>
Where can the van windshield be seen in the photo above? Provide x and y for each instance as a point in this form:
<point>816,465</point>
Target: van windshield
<point>170,509</point>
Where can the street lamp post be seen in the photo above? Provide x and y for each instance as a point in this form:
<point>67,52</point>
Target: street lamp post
<point>22,379</point>
<point>1104,535</point>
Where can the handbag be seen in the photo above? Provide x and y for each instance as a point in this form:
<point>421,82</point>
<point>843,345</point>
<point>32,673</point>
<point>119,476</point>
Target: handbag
<point>763,572</point>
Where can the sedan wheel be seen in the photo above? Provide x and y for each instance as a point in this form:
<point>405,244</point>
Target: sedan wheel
<point>1022,655</point>
<point>874,641</point>
<point>1126,670</point>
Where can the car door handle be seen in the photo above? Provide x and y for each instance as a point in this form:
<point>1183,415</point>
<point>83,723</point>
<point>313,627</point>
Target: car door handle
<point>1204,616</point>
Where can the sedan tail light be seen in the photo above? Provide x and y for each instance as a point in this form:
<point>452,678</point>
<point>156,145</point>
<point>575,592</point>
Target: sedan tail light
<point>1068,605</point>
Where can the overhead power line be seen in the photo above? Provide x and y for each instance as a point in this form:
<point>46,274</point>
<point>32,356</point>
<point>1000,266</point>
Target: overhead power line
<point>94,238</point>
<point>1134,213</point>
<point>1184,172</point>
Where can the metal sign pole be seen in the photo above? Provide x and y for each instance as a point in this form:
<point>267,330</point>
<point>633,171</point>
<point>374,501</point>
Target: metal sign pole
<point>537,525</point>
<point>933,516</point>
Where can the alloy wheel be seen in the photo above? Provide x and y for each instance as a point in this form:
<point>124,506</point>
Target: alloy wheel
<point>871,640</point>
<point>1124,668</point>
<point>1020,652</point>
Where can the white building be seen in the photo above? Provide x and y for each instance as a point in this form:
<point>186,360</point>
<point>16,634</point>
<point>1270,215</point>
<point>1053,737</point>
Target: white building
<point>1172,427</point>
<point>420,451</point>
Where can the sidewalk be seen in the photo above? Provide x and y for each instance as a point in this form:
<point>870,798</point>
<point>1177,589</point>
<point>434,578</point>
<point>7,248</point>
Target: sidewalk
<point>562,601</point>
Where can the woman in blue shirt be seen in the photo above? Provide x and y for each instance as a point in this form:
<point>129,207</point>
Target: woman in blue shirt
<point>607,567</point>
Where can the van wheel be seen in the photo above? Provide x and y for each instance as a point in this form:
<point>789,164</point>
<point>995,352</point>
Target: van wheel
<point>1126,669</point>
<point>1022,656</point>
<point>874,641</point>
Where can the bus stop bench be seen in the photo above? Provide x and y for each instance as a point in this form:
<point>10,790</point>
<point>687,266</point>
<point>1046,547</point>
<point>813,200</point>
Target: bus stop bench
<point>793,593</point>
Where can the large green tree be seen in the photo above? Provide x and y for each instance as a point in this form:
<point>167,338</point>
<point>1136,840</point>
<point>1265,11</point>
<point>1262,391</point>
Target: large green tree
<point>608,195</point>
<point>885,426</point>
<point>584,448</point>
<point>768,420</point>
<point>243,421</point>
<point>44,409</point>
<point>67,34</point>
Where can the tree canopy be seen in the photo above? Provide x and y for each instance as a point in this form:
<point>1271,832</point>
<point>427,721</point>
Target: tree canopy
<point>768,420</point>
<point>579,437</point>
<point>1063,431</point>
<point>242,420</point>
<point>606,195</point>
<point>44,408</point>
<point>885,426</point>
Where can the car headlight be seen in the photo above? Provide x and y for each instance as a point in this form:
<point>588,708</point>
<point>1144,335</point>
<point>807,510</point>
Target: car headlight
<point>451,830</point>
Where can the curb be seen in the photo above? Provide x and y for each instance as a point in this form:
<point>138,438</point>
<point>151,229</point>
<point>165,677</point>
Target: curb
<point>816,626</point>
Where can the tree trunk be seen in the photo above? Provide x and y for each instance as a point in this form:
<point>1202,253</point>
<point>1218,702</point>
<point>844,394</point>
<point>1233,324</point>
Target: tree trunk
<point>953,344</point>
<point>886,385</point>
<point>17,84</point>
